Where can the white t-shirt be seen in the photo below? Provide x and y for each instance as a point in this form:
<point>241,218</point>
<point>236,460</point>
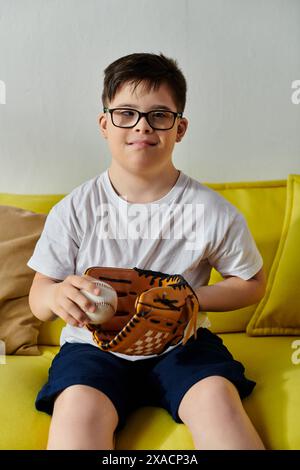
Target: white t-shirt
<point>188,231</point>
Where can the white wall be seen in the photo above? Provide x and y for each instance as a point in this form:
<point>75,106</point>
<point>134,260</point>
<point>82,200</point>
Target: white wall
<point>240,58</point>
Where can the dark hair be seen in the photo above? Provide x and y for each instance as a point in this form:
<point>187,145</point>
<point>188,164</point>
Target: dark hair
<point>152,69</point>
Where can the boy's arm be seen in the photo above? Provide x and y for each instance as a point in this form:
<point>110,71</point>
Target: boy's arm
<point>232,293</point>
<point>38,297</point>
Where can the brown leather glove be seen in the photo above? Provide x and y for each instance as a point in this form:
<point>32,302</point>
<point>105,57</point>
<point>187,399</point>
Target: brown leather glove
<point>155,310</point>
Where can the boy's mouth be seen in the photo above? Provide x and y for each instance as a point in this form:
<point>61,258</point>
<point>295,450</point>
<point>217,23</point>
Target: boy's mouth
<point>140,144</point>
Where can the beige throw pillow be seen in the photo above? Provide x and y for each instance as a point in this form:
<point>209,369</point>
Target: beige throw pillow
<point>19,232</point>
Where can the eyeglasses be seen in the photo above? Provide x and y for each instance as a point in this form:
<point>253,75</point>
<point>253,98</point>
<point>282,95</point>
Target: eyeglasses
<point>127,118</point>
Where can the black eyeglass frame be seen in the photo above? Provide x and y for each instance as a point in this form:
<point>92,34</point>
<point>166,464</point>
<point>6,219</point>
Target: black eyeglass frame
<point>175,115</point>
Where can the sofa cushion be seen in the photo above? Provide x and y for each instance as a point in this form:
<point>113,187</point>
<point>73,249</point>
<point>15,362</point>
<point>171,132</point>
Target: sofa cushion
<point>50,332</point>
<point>41,203</point>
<point>20,380</point>
<point>273,406</point>
<point>19,231</point>
<point>278,313</point>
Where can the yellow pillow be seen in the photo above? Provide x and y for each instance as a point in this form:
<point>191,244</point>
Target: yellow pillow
<point>278,313</point>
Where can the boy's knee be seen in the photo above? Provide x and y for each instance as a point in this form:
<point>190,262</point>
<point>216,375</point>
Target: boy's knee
<point>215,386</point>
<point>206,392</point>
<point>88,403</point>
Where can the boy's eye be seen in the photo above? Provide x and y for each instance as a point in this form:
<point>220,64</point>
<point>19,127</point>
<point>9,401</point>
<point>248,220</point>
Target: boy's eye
<point>159,114</point>
<point>125,113</point>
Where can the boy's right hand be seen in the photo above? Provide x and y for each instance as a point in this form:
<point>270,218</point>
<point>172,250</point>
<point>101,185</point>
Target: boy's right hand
<point>67,302</point>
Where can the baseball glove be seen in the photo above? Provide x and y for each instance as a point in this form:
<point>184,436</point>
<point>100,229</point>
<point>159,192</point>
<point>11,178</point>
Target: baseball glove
<point>155,310</point>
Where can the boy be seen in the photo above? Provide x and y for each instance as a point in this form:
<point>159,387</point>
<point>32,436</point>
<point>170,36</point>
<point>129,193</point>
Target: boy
<point>199,383</point>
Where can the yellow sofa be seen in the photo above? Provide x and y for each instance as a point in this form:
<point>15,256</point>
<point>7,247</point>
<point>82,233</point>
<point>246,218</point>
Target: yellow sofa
<point>264,337</point>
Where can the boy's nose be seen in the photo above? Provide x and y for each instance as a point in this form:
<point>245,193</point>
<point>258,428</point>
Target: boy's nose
<point>143,125</point>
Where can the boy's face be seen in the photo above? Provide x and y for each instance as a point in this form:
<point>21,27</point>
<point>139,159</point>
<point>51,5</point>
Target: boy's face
<point>141,149</point>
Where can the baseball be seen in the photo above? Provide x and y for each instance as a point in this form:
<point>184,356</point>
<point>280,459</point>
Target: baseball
<point>106,303</point>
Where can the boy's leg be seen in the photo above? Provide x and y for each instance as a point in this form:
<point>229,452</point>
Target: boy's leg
<point>213,412</point>
<point>83,418</point>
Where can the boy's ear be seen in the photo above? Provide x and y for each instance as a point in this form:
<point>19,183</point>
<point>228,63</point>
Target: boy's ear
<point>102,120</point>
<point>181,129</point>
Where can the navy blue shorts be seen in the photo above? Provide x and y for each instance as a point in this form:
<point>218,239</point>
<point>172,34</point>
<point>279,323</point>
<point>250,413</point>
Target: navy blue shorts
<point>160,381</point>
